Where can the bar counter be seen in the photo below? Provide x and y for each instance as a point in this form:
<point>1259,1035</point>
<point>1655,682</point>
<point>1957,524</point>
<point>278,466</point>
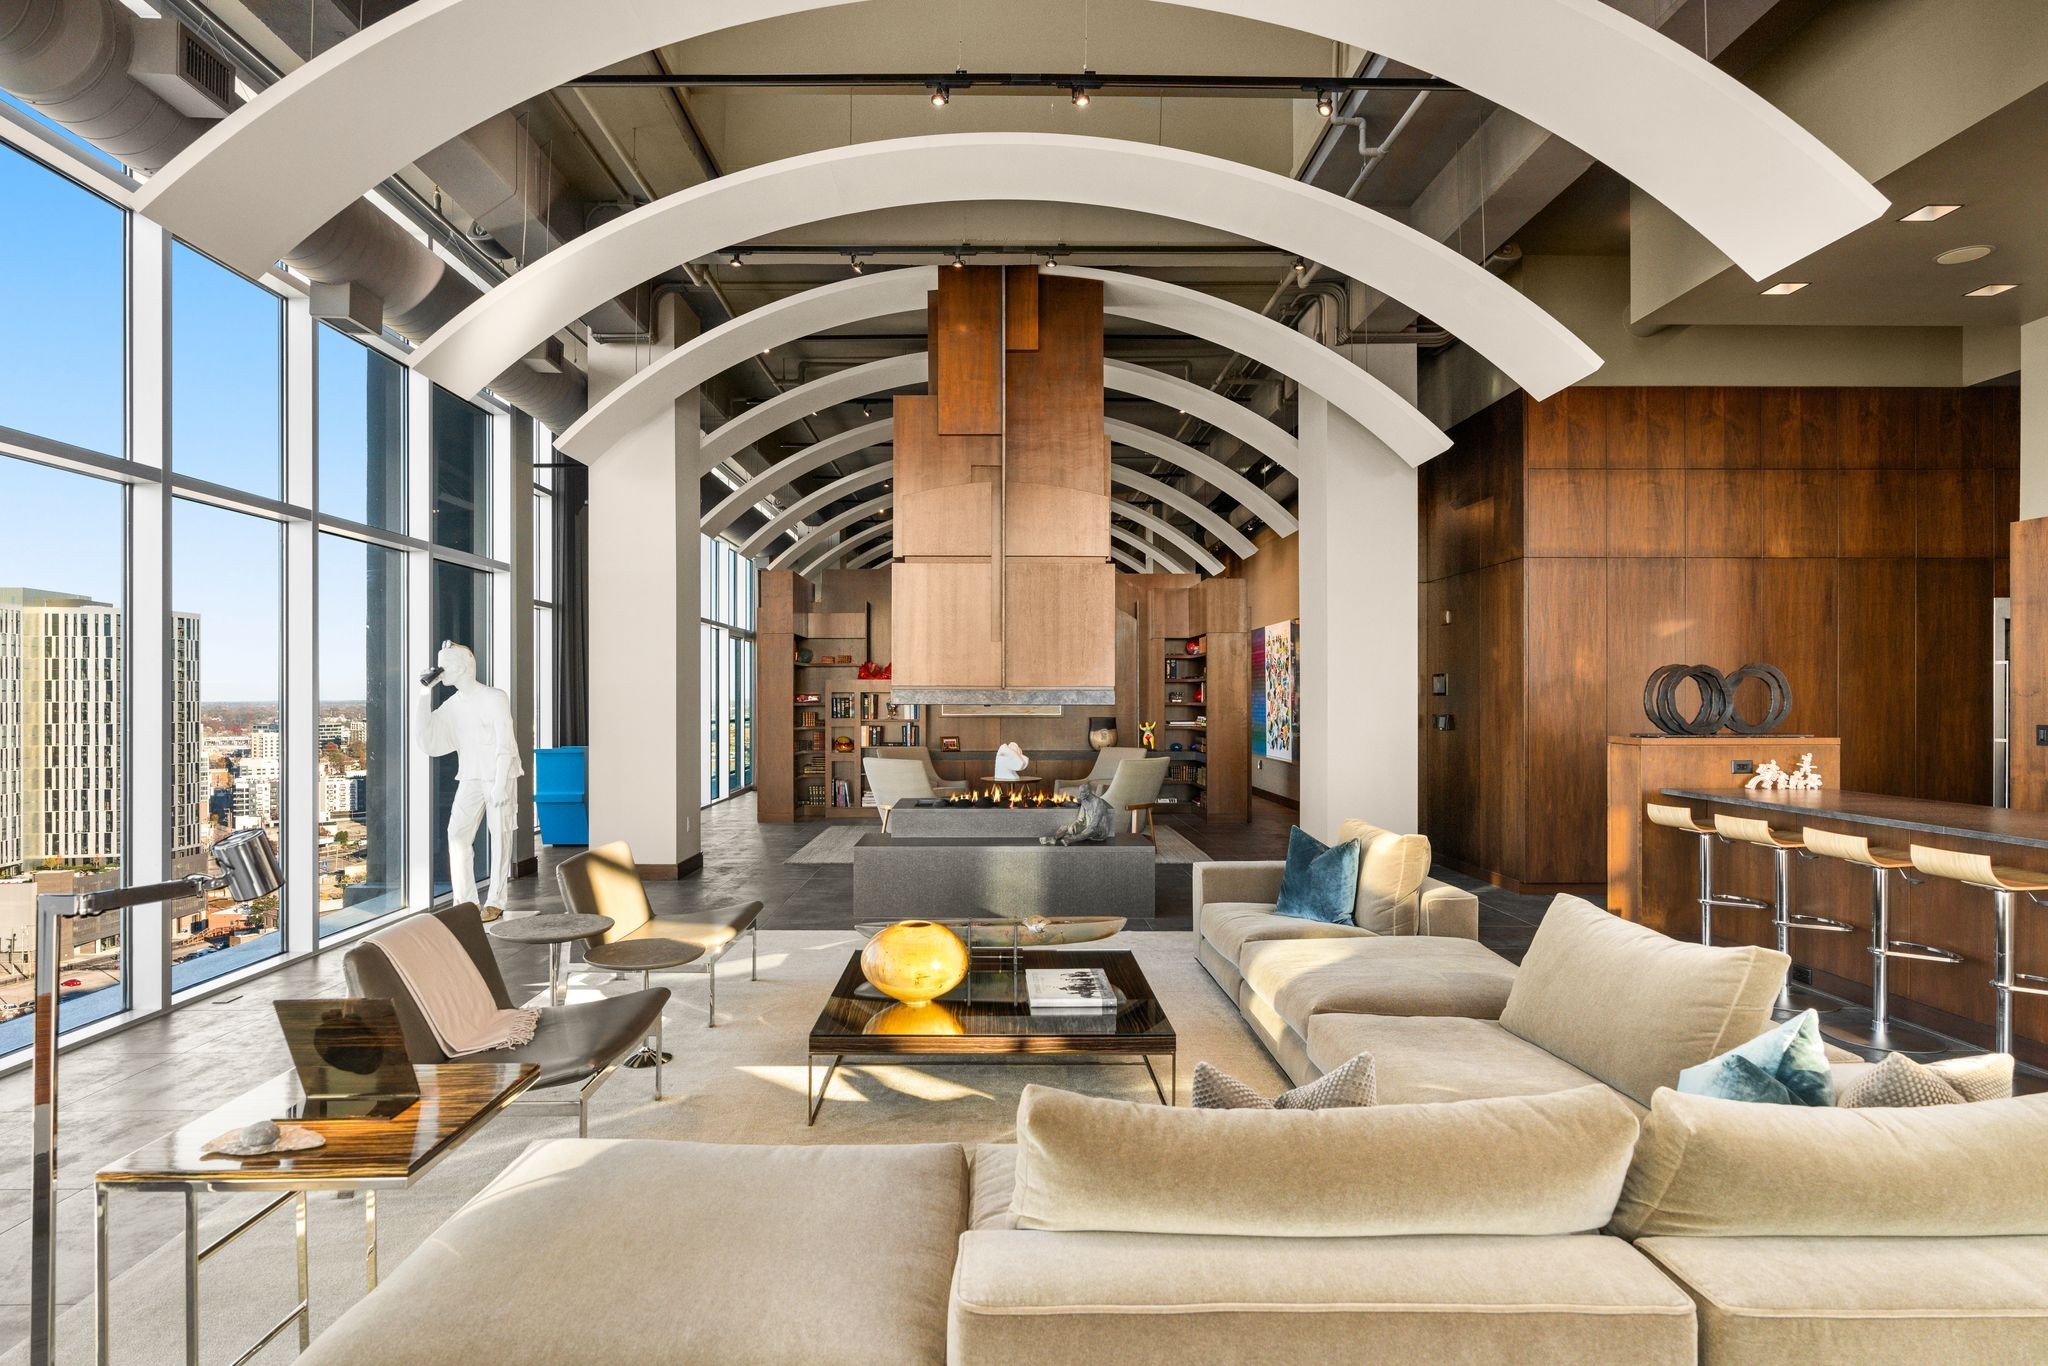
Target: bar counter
<point>1910,816</point>
<point>1957,998</point>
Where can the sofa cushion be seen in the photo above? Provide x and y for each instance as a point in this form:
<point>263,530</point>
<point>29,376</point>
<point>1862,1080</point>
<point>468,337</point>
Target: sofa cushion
<point>991,1181</point>
<point>1391,868</point>
<point>1864,1299</point>
<point>1230,925</point>
<point>1382,975</point>
<point>1028,1297</point>
<point>1431,1059</point>
<point>1724,1168</point>
<point>1321,881</point>
<point>1900,1081</point>
<point>1525,1165</point>
<point>1784,1065</point>
<point>1632,1006</point>
<point>646,1251</point>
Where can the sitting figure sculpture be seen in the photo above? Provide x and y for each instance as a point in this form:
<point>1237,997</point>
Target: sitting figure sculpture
<point>1094,823</point>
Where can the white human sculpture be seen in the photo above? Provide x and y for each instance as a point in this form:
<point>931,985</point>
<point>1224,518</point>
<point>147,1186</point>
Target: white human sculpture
<point>1769,777</point>
<point>1010,762</point>
<point>475,725</point>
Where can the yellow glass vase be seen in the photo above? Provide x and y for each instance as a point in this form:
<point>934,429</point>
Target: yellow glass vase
<point>915,961</point>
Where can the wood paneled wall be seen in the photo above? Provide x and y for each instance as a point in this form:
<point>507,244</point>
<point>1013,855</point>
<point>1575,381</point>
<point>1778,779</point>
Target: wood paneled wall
<point>1853,537</point>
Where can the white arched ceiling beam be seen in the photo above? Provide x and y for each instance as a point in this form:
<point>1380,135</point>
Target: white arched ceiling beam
<point>907,371</point>
<point>1205,405</point>
<point>1127,559</point>
<point>794,405</point>
<point>1165,558</point>
<point>1190,552</point>
<point>778,475</point>
<point>1749,179</point>
<point>793,515</point>
<point>1212,471</point>
<point>806,550</point>
<point>869,559</point>
<point>1153,302</point>
<point>884,529</point>
<point>1532,348</point>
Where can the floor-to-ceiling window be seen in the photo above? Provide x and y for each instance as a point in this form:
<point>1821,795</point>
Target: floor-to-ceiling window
<point>460,479</point>
<point>543,607</point>
<point>727,668</point>
<point>233,537</point>
<point>62,721</point>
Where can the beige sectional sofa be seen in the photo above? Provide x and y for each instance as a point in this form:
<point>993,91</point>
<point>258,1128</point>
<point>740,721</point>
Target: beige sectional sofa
<point>1525,1190</point>
<point>1411,947</point>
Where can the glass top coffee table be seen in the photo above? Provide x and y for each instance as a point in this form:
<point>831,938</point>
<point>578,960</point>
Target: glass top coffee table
<point>987,1019</point>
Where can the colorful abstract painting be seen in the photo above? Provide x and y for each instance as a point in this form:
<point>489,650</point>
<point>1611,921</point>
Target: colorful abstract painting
<point>1276,697</point>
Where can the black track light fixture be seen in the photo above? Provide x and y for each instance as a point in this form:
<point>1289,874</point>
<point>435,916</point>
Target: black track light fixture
<point>941,96</point>
<point>866,411</point>
<point>736,261</point>
<point>1300,267</point>
<point>853,259</point>
<point>1325,105</point>
<point>1080,97</point>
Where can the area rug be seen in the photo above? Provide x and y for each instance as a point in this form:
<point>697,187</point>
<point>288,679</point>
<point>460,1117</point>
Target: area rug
<point>742,1082</point>
<point>835,845</point>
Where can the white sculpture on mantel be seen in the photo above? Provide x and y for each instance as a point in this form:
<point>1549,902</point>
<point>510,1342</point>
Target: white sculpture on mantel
<point>1010,762</point>
<point>475,725</point>
<point>1769,777</point>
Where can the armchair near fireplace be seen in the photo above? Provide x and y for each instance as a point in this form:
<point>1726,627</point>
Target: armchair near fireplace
<point>939,785</point>
<point>1100,776</point>
<point>896,780</point>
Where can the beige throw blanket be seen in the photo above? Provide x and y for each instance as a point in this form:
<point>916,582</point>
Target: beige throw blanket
<point>451,993</point>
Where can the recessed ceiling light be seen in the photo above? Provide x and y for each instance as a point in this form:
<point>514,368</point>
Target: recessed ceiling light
<point>1927,213</point>
<point>1787,287</point>
<point>1986,291</point>
<point>1961,256</point>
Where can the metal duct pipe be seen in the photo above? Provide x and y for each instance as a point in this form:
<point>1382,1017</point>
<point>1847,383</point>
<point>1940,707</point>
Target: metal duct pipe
<point>69,59</point>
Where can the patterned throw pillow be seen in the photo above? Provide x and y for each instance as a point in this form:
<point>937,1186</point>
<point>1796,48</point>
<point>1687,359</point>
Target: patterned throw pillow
<point>1341,1087</point>
<point>1787,1065</point>
<point>1900,1082</point>
<point>1321,880</point>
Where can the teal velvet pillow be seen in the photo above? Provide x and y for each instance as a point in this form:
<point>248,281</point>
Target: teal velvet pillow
<point>1321,881</point>
<point>1783,1066</point>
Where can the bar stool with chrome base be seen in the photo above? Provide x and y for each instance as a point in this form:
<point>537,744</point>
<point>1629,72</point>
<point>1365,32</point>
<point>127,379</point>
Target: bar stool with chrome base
<point>1681,818</point>
<point>1784,920</point>
<point>1878,1031</point>
<point>1977,870</point>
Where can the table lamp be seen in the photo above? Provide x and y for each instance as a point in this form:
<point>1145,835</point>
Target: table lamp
<point>248,869</point>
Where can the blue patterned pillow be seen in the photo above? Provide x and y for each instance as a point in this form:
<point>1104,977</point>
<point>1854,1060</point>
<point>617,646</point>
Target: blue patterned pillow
<point>1784,1066</point>
<point>1321,882</point>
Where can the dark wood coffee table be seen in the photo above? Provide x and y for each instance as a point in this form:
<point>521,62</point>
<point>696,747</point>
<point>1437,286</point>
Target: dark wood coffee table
<point>987,1019</point>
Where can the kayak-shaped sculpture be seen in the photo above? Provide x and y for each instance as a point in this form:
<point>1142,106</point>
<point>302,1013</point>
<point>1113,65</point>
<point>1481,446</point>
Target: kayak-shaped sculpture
<point>1028,932</point>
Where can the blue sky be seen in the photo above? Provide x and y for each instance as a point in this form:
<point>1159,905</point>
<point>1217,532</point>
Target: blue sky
<point>62,377</point>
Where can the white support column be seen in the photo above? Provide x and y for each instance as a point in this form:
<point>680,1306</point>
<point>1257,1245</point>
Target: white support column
<point>2034,419</point>
<point>299,735</point>
<point>1359,616</point>
<point>148,612</point>
<point>645,743</point>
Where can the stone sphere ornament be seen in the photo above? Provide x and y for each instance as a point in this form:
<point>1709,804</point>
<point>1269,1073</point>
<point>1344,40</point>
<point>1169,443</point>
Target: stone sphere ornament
<point>915,961</point>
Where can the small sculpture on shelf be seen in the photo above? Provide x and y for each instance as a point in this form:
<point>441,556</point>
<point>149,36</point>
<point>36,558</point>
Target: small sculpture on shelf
<point>1148,734</point>
<point>1010,762</point>
<point>1094,823</point>
<point>1101,732</point>
<point>1769,777</point>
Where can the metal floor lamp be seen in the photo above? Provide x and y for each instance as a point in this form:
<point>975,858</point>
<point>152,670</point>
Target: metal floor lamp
<point>248,869</point>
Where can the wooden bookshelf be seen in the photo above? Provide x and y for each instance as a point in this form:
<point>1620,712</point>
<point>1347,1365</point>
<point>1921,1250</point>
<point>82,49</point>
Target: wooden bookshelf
<point>1196,683</point>
<point>810,708</point>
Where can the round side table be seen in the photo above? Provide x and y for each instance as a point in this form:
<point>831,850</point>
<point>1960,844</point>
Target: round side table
<point>644,956</point>
<point>554,930</point>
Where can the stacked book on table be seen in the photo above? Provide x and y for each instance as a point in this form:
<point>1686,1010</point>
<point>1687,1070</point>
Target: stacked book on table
<point>1070,991</point>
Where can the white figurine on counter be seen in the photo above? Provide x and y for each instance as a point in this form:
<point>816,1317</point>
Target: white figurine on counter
<point>1769,777</point>
<point>1010,762</point>
<point>475,725</point>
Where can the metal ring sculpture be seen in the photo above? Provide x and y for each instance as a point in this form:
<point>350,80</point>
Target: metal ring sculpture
<point>1717,709</point>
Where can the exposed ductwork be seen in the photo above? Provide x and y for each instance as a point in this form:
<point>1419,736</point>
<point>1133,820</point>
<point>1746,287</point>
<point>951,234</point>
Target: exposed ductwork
<point>70,60</point>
